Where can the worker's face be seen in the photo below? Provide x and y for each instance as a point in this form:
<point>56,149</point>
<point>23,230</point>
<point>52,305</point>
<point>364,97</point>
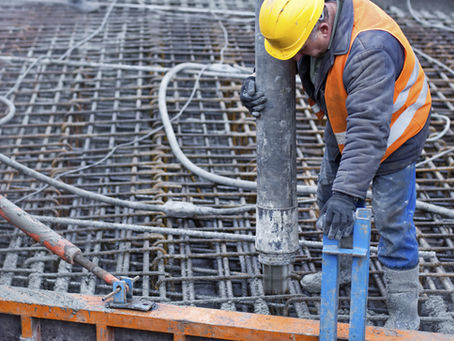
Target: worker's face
<point>317,45</point>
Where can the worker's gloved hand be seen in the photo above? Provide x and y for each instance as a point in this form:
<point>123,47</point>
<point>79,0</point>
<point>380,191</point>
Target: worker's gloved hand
<point>254,101</point>
<point>338,216</point>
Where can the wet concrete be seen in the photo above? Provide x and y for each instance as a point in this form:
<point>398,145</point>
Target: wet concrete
<point>41,297</point>
<point>436,307</point>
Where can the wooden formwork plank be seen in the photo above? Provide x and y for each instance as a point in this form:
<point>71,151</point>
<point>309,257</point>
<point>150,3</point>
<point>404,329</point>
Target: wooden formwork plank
<point>30,328</point>
<point>181,321</point>
<point>104,333</point>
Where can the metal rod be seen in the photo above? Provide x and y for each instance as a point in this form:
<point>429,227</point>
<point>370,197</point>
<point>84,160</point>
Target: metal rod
<point>50,239</point>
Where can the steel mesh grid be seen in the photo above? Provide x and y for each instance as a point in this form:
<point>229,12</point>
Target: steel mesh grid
<point>72,116</point>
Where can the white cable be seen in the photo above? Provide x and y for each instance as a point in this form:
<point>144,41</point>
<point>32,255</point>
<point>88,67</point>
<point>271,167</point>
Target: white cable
<point>434,157</point>
<point>11,110</point>
<point>216,69</point>
<point>183,232</point>
<point>174,9</point>
<point>171,208</point>
<point>12,107</point>
<point>433,60</point>
<point>94,33</point>
<point>168,10</point>
<point>162,95</point>
<point>425,22</point>
<point>22,76</point>
<point>226,39</point>
<point>445,129</point>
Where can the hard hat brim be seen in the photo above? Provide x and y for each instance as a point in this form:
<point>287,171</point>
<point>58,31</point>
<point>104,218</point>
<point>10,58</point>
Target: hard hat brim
<point>290,52</point>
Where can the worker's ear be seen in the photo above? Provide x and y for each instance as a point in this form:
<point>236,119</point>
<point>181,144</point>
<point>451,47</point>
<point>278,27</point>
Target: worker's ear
<point>325,30</point>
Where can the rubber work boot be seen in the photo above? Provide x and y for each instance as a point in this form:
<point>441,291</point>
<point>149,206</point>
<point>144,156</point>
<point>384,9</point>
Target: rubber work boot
<point>313,282</point>
<point>84,5</point>
<point>402,292</point>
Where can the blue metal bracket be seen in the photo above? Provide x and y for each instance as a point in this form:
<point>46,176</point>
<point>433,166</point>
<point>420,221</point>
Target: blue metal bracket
<point>359,285</point>
<point>126,287</point>
<point>123,296</point>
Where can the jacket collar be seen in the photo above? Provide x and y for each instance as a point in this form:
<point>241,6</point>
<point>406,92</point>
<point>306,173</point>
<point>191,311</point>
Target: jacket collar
<point>339,46</point>
<point>342,36</point>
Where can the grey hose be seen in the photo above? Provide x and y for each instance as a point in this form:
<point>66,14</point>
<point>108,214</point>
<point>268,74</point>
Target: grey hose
<point>185,209</point>
<point>433,60</point>
<point>174,143</point>
<point>426,23</point>
<point>184,232</point>
<point>229,181</point>
<point>174,208</point>
<point>171,208</point>
<point>11,110</point>
<point>445,129</point>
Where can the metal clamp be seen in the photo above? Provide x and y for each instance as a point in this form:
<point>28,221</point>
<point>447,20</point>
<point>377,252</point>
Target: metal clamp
<point>359,284</point>
<point>123,296</point>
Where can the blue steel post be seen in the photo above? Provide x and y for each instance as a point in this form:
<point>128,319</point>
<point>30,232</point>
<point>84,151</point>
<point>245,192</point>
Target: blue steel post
<point>360,276</point>
<point>360,280</point>
<point>277,214</point>
<point>329,291</point>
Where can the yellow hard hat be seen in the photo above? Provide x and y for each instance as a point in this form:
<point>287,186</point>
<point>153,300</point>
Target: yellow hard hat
<point>286,25</point>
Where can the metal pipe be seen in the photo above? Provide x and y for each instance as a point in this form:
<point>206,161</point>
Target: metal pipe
<point>38,231</point>
<point>96,270</point>
<point>44,235</point>
<point>277,216</point>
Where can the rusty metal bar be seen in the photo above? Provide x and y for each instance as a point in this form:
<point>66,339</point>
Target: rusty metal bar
<point>50,239</point>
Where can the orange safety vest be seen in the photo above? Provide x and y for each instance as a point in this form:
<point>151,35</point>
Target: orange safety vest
<point>412,100</point>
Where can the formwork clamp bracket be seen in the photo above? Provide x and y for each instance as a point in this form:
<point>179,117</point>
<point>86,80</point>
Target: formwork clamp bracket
<point>123,296</point>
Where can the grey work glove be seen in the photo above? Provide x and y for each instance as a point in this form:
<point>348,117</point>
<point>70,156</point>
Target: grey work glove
<point>254,101</point>
<point>338,216</point>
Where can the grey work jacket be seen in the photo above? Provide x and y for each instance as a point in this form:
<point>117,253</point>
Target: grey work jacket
<point>374,63</point>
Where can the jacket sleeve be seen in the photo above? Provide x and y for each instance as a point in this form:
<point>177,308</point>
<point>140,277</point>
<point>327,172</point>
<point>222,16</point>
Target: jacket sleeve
<point>374,63</point>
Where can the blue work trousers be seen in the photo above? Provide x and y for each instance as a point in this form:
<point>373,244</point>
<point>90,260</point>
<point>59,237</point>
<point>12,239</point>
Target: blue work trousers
<point>393,205</point>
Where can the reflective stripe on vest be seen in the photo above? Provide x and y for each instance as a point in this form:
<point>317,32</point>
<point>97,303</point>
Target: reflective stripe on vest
<point>404,119</point>
<point>316,108</point>
<point>412,99</point>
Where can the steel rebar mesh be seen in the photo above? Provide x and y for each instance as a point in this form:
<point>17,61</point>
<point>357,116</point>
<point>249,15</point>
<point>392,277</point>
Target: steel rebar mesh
<point>70,116</point>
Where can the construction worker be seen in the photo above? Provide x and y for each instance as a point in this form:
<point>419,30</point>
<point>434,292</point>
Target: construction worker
<point>359,70</point>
